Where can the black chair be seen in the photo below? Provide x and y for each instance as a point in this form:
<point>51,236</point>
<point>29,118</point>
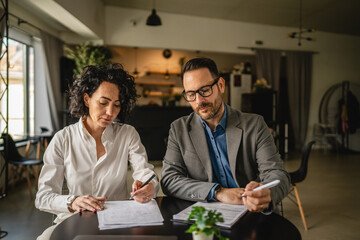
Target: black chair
<point>299,176</point>
<point>12,156</point>
<point>43,140</point>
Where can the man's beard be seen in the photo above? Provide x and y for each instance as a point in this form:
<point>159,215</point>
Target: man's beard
<point>213,109</point>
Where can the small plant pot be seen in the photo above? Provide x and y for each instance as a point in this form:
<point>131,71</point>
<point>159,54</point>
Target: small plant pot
<point>202,236</point>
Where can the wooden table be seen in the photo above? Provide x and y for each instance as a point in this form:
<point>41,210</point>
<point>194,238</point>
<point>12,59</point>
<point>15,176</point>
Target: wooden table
<point>250,226</point>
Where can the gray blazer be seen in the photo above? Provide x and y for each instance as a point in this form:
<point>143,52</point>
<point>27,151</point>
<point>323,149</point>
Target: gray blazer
<point>187,171</point>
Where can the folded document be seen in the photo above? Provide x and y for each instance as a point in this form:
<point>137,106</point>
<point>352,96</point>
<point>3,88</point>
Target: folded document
<point>124,214</point>
<point>230,213</point>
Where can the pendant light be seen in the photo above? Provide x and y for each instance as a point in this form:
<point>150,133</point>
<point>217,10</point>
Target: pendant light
<point>299,35</point>
<point>153,19</point>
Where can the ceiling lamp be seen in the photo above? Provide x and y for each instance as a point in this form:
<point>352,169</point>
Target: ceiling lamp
<point>153,19</point>
<point>299,34</point>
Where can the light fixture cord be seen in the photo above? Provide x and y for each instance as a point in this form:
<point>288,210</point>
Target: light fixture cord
<point>300,26</point>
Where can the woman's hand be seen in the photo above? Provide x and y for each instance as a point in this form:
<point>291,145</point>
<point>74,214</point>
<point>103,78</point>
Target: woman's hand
<point>142,195</point>
<point>89,203</point>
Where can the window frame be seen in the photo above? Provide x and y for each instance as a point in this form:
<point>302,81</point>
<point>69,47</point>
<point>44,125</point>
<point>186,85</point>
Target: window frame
<point>26,92</point>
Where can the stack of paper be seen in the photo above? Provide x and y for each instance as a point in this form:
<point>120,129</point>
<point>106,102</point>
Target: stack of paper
<point>230,213</point>
<point>124,214</point>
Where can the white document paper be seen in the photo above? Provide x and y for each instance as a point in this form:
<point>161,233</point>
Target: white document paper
<point>230,213</point>
<point>124,214</point>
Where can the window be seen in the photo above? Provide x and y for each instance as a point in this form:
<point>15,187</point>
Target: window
<point>21,90</point>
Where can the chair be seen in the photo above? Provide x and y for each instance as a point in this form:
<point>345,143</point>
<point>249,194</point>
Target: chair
<point>43,140</point>
<point>326,135</point>
<point>12,156</point>
<point>299,175</point>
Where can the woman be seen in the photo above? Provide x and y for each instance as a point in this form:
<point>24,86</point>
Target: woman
<point>93,154</point>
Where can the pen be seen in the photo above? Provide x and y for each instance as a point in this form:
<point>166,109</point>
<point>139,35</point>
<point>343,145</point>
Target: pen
<point>145,183</point>
<point>268,185</point>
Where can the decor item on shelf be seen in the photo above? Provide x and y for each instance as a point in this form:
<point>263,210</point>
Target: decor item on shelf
<point>136,73</point>
<point>299,34</point>
<point>88,54</point>
<point>261,85</point>
<point>182,61</point>
<point>165,100</point>
<point>238,68</point>
<point>167,54</point>
<point>153,19</point>
<point>204,227</point>
<point>177,98</point>
<point>167,75</point>
<point>247,68</point>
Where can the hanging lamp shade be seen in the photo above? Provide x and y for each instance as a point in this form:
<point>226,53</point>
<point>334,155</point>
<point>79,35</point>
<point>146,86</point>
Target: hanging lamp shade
<point>153,19</point>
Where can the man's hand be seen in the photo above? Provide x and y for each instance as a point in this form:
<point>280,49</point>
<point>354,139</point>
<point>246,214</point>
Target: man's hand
<point>256,201</point>
<point>230,195</point>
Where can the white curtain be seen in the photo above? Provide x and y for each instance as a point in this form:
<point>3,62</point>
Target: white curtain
<point>53,48</point>
<point>42,106</point>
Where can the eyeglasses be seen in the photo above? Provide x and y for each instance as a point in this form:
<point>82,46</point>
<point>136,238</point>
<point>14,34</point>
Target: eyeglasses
<point>204,91</point>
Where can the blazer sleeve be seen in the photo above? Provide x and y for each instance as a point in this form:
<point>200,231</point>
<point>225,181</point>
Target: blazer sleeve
<point>270,164</point>
<point>175,176</point>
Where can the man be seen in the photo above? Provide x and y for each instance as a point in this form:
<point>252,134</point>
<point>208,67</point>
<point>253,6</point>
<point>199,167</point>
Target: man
<point>218,153</point>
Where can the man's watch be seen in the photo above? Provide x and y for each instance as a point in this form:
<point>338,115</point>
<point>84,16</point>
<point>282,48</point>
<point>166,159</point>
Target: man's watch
<point>69,200</point>
<point>216,190</point>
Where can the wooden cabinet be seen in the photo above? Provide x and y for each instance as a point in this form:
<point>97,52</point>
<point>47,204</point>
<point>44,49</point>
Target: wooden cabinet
<point>153,125</point>
<point>262,103</point>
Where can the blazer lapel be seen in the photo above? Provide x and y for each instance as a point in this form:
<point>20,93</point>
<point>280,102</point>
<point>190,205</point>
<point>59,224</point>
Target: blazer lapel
<point>233,138</point>
<point>198,138</point>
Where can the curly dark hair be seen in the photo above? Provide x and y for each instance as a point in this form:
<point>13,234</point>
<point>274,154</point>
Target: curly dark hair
<point>89,81</point>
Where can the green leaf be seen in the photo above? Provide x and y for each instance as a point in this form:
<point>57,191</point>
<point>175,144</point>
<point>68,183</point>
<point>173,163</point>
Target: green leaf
<point>205,221</point>
<point>87,54</point>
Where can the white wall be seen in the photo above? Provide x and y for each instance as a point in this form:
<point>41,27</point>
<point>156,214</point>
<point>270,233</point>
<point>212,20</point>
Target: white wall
<point>24,14</point>
<point>337,59</point>
<point>89,12</point>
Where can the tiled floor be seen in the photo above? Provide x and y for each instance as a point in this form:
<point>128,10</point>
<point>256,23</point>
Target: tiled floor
<point>330,197</point>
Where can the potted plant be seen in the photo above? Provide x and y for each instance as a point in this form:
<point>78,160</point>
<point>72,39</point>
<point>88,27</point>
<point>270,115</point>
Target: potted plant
<point>165,100</point>
<point>88,54</point>
<point>261,85</point>
<point>204,227</point>
<point>177,98</point>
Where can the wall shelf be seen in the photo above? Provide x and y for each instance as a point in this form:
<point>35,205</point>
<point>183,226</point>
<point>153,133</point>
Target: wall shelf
<point>155,83</point>
<point>149,93</point>
<point>162,73</point>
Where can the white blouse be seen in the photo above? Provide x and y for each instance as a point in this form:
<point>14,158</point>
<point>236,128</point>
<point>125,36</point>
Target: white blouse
<point>72,154</point>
